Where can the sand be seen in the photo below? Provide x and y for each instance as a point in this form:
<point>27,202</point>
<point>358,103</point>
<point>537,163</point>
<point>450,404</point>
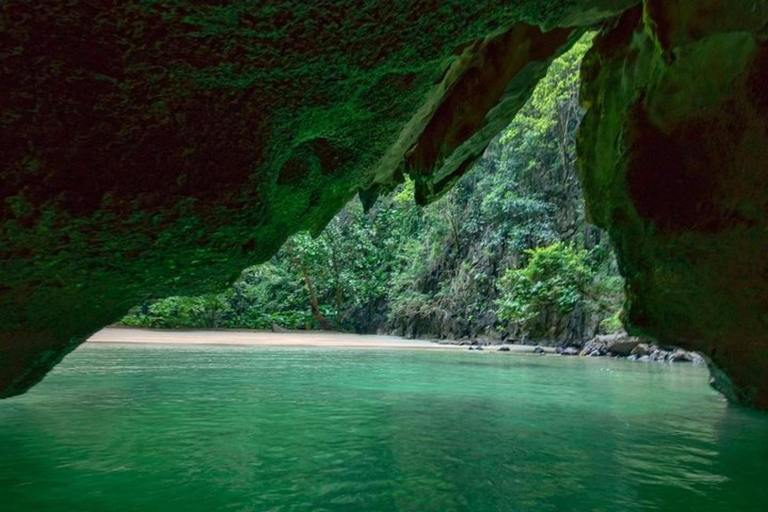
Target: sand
<point>273,339</point>
<point>259,338</point>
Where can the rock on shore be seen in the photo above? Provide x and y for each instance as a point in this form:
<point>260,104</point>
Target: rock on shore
<point>623,345</point>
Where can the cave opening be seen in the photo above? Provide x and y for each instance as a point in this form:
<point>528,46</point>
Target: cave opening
<point>506,255</point>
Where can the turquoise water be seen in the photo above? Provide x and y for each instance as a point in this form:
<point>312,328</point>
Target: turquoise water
<point>144,428</point>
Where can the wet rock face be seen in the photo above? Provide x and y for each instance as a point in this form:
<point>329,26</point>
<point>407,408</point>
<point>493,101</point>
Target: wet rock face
<point>157,148</point>
<point>673,155</point>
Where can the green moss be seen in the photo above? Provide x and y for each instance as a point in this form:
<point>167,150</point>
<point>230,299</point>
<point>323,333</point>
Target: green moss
<point>150,154</point>
<point>672,152</point>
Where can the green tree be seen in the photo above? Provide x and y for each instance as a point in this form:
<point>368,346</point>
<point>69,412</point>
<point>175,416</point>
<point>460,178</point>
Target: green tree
<point>433,271</point>
<point>556,280</point>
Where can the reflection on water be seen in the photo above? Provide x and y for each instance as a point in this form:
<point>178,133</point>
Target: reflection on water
<point>119,428</point>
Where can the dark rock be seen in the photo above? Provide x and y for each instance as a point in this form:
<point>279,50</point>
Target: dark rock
<point>697,358</point>
<point>504,349</point>
<point>623,348</point>
<point>641,349</point>
<point>186,150</point>
<point>679,356</point>
<point>619,344</point>
<point>277,328</point>
<point>593,348</point>
<point>653,155</point>
<point>539,350</point>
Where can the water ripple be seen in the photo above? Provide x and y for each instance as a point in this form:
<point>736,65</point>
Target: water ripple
<point>234,428</point>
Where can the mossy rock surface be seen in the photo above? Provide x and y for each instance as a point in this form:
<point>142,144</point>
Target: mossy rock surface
<point>672,154</point>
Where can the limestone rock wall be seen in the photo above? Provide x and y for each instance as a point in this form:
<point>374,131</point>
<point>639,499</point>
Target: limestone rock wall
<point>157,148</point>
<point>673,153</point>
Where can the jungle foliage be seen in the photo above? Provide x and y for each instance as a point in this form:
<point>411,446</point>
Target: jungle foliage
<point>506,253</point>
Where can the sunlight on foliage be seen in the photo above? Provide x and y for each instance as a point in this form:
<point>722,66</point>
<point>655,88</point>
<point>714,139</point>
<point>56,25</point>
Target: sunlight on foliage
<point>556,280</point>
<point>442,270</point>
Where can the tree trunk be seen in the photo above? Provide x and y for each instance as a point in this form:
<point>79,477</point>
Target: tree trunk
<point>313,303</point>
<point>336,274</point>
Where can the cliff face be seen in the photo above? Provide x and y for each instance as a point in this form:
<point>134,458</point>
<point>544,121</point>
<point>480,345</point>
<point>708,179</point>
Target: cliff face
<point>673,155</point>
<point>155,148</point>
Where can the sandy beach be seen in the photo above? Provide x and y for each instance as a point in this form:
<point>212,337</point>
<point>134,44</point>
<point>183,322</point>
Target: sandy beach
<point>273,339</point>
<point>260,338</point>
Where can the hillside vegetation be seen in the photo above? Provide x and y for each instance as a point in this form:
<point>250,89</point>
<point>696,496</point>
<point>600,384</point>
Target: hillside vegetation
<point>506,254</point>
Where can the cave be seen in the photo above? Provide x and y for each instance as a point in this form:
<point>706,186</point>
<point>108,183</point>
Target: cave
<point>158,148</point>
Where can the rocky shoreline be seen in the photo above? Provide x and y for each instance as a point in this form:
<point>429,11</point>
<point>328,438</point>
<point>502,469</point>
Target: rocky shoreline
<point>635,349</point>
<point>618,346</point>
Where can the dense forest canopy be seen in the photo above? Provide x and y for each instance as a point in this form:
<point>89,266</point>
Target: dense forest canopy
<point>506,254</point>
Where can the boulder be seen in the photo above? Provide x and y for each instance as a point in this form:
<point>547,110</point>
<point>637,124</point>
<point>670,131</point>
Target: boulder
<point>591,346</point>
<point>277,328</point>
<point>679,356</point>
<point>620,344</point>
<point>623,348</point>
<point>683,356</point>
<point>697,358</point>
